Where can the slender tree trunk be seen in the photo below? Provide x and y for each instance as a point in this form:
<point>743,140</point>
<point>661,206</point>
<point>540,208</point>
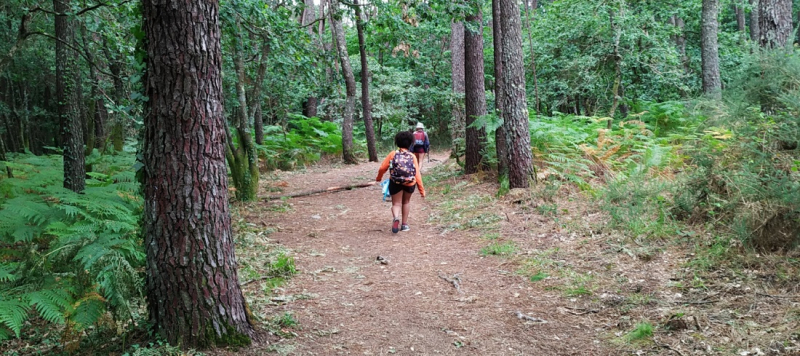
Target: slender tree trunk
<point>120,95</point>
<point>100,115</point>
<point>680,41</point>
<point>740,21</point>
<point>258,118</point>
<point>755,30</point>
<point>242,160</point>
<point>615,90</point>
<point>712,85</point>
<point>67,88</point>
<point>350,85</point>
<point>309,14</point>
<point>515,103</point>
<point>475,91</point>
<point>366,106</point>
<point>458,123</point>
<point>194,298</point>
<point>528,19</point>
<point>501,148</point>
<point>775,23</point>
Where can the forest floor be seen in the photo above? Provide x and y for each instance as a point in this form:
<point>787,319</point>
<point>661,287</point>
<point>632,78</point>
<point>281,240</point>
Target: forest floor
<point>538,272</point>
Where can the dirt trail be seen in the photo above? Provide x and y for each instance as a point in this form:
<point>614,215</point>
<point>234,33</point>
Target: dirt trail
<point>352,304</point>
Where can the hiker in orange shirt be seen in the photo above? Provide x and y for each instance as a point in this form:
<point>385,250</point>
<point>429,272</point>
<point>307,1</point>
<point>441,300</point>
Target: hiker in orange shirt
<point>404,178</point>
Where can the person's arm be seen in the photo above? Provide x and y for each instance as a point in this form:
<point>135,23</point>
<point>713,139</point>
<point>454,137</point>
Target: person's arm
<point>418,177</point>
<point>427,143</point>
<point>384,166</point>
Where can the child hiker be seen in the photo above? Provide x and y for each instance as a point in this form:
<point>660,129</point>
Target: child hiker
<point>404,178</point>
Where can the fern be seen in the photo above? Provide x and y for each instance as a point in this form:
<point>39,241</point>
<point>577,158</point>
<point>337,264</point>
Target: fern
<point>12,315</point>
<point>68,257</point>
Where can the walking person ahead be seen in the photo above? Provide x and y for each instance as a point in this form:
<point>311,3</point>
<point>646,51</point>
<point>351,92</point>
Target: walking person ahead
<point>421,142</point>
<point>404,177</point>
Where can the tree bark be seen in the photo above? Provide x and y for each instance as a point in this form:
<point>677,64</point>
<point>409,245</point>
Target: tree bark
<point>67,88</point>
<point>458,122</point>
<point>712,84</point>
<point>515,103</point>
<point>500,134</point>
<point>755,30</point>
<point>350,84</point>
<point>475,91</point>
<point>194,298</point>
<point>740,22</point>
<point>366,106</point>
<point>120,95</point>
<point>775,23</point>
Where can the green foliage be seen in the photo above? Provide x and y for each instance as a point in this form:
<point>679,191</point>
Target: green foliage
<point>304,142</point>
<point>69,257</point>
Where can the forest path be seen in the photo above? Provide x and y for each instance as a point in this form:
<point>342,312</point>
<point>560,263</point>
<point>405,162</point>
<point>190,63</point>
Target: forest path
<point>346,302</point>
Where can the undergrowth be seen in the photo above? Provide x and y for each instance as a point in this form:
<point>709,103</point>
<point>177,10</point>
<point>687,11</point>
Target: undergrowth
<point>67,259</point>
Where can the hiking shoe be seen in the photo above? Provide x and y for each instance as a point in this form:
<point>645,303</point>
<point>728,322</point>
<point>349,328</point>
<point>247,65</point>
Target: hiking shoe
<point>405,228</point>
<point>395,226</point>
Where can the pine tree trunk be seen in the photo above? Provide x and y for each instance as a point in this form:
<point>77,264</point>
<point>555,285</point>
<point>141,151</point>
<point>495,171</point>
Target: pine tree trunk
<point>366,106</point>
<point>740,22</point>
<point>515,103</point>
<point>458,122</point>
<point>755,30</point>
<point>350,85</point>
<point>120,94</point>
<point>67,89</point>
<point>100,115</point>
<point>712,84</point>
<point>500,134</point>
<point>775,23</point>
<point>194,298</point>
<point>475,91</point>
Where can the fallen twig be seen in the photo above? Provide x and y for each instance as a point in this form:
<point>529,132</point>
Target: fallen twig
<point>777,296</point>
<point>320,191</point>
<point>256,280</point>
<point>581,311</point>
<point>455,281</point>
<point>529,318</point>
<point>697,302</point>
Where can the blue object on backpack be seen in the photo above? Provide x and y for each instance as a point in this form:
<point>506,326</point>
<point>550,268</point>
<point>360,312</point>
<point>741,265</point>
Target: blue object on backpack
<point>385,187</point>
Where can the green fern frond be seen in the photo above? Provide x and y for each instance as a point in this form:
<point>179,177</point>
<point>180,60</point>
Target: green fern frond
<point>88,310</point>
<point>13,314</point>
<point>7,271</point>
<point>52,304</point>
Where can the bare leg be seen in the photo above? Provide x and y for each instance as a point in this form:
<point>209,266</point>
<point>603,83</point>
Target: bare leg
<point>419,158</point>
<point>397,203</point>
<point>406,206</point>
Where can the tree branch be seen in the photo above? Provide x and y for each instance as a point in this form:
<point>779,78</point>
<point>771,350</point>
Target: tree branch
<point>80,12</point>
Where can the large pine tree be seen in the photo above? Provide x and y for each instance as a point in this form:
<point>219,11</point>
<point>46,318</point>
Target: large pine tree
<point>194,298</point>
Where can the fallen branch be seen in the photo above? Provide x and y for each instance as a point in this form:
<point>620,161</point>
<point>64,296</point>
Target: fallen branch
<point>320,191</point>
<point>529,318</point>
<point>455,281</point>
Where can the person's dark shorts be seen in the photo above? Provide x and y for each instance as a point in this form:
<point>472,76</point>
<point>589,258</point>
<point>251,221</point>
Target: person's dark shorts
<point>395,188</point>
<point>419,149</point>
